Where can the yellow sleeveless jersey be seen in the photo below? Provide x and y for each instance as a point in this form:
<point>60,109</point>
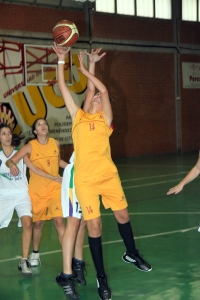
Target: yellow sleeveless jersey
<point>90,133</point>
<point>45,157</point>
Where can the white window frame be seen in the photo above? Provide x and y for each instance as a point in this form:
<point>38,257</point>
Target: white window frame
<point>100,7</point>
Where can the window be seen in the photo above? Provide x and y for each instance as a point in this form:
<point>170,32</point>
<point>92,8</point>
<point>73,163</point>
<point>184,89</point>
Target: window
<point>163,9</point>
<point>128,9</point>
<point>105,6</point>
<point>190,10</point>
<point>142,8</point>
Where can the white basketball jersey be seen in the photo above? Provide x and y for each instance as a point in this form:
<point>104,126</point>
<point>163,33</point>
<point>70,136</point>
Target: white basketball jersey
<point>9,182</point>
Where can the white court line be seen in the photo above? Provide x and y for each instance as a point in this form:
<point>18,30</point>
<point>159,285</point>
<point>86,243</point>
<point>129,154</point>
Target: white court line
<point>152,166</point>
<point>148,184</point>
<point>149,213</point>
<point>157,176</point>
<point>141,185</point>
<point>152,235</point>
<point>112,242</point>
<point>159,213</point>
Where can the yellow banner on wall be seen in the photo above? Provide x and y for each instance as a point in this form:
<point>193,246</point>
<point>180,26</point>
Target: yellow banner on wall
<point>21,105</point>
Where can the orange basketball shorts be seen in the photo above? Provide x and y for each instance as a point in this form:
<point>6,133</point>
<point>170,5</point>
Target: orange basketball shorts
<point>109,188</point>
<point>46,208</point>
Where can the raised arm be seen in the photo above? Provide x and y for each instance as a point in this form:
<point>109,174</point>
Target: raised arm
<point>106,106</point>
<point>71,106</point>
<point>188,178</point>
<point>94,57</point>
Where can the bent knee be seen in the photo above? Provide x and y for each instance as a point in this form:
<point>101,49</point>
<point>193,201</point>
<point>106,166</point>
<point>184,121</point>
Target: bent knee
<point>94,228</point>
<point>83,223</point>
<point>27,222</point>
<point>122,216</point>
<point>58,222</point>
<point>38,225</point>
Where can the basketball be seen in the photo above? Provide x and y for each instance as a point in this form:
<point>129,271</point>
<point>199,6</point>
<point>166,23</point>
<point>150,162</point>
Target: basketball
<point>65,33</point>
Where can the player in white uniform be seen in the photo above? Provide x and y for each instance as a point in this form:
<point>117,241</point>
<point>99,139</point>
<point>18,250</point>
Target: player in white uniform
<point>73,238</point>
<point>14,192</point>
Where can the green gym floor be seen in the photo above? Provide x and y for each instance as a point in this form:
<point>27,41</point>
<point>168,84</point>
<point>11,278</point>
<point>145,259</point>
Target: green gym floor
<point>165,229</point>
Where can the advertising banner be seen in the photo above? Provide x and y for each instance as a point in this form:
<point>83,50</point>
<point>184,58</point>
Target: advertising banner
<point>23,101</point>
<point>191,75</point>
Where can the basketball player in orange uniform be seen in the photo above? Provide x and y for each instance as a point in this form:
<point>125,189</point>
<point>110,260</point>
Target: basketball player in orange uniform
<point>73,237</point>
<point>96,174</point>
<point>45,194</point>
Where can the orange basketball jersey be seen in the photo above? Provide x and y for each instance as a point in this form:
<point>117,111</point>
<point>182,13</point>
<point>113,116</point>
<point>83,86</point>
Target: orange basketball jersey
<point>45,193</point>
<point>91,134</point>
<point>45,157</point>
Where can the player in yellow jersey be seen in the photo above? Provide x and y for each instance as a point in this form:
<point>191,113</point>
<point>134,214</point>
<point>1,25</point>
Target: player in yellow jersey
<point>95,172</point>
<point>45,194</point>
<point>73,237</point>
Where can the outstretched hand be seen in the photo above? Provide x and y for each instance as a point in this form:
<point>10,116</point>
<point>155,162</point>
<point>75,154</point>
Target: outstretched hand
<point>176,189</point>
<point>82,66</point>
<point>95,55</point>
<point>60,51</point>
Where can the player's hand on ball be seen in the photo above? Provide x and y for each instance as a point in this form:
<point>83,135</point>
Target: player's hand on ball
<point>60,51</point>
<point>95,55</point>
<point>65,33</point>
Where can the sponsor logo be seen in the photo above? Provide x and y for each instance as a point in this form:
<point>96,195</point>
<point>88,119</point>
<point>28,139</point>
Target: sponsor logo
<point>195,67</point>
<point>123,198</point>
<point>57,208</point>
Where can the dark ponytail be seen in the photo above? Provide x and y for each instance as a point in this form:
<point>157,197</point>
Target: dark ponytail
<point>16,139</point>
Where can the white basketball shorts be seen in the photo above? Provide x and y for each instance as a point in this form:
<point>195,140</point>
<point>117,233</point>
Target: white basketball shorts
<point>69,201</point>
<point>20,202</point>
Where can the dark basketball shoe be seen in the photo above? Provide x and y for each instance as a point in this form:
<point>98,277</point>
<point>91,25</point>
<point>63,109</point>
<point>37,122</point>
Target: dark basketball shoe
<point>79,271</point>
<point>68,286</point>
<point>103,289</point>
<point>137,260</point>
